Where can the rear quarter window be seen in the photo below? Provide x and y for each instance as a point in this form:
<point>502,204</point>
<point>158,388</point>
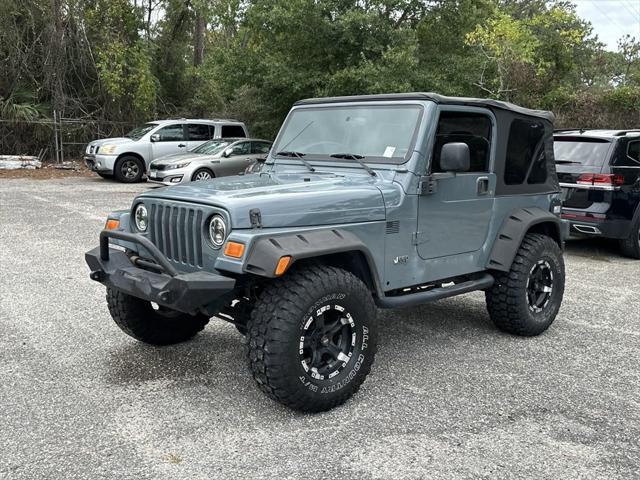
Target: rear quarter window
<point>230,131</point>
<point>525,159</point>
<point>632,157</point>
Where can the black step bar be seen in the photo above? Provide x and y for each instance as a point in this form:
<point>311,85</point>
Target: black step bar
<point>482,282</point>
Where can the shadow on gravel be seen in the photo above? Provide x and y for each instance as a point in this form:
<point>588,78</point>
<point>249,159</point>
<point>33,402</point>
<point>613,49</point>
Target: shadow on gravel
<point>602,249</point>
<point>209,354</point>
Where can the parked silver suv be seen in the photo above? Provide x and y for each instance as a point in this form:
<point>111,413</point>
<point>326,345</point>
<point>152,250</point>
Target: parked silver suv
<point>127,158</point>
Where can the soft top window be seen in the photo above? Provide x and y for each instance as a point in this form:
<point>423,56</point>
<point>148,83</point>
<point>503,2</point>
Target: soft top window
<point>525,157</point>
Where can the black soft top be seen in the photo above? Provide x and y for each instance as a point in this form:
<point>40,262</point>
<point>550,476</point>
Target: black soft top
<point>434,97</point>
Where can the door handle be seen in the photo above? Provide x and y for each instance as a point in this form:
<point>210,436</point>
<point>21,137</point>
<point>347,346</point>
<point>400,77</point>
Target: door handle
<point>482,185</point>
<point>181,145</point>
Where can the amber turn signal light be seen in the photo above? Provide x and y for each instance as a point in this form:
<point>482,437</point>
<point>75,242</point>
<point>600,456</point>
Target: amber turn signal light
<point>111,224</point>
<point>234,249</point>
<point>282,265</point>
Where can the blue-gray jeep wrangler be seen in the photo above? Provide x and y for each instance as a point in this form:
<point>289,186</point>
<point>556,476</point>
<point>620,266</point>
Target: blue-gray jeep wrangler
<point>363,202</point>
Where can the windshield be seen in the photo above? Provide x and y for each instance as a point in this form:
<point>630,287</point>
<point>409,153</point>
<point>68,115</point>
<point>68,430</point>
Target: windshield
<point>377,133</point>
<point>139,132</point>
<point>580,151</point>
<point>211,147</point>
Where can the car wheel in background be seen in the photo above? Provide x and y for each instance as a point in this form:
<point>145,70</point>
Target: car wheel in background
<point>202,174</point>
<point>630,246</point>
<point>129,169</point>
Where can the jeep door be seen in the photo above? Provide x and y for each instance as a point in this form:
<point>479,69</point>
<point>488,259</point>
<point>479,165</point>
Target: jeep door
<point>171,139</point>
<point>454,219</point>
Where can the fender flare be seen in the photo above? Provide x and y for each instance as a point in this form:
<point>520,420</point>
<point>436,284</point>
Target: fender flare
<point>267,250</point>
<point>512,232</point>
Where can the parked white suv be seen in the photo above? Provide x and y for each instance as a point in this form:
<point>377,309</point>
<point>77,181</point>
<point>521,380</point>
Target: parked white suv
<point>127,158</point>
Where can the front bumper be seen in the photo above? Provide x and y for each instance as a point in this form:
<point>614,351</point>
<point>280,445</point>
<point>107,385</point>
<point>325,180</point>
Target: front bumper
<point>184,292</point>
<point>100,163</point>
<point>169,177</point>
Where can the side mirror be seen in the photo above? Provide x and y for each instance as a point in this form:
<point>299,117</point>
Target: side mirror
<point>455,157</point>
<point>227,153</point>
<point>155,137</point>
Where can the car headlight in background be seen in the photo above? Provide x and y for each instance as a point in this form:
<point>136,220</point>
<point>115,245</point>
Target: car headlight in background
<point>177,165</point>
<point>217,231</point>
<point>141,217</point>
<point>106,149</point>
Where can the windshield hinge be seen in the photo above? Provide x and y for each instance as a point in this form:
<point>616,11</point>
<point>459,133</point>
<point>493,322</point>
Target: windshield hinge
<point>255,217</point>
<point>427,186</point>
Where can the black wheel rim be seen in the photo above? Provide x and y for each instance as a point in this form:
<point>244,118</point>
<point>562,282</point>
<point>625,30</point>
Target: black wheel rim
<point>539,286</point>
<point>204,175</point>
<point>130,169</point>
<point>327,342</point>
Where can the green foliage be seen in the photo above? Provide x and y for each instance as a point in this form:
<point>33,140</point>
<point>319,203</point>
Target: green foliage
<point>122,60</point>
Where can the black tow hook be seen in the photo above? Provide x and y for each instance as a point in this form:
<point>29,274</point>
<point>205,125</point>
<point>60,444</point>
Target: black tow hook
<point>98,275</point>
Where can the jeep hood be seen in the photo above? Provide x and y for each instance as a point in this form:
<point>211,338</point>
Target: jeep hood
<point>285,200</point>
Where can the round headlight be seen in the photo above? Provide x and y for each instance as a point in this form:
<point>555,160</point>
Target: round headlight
<point>141,218</point>
<point>217,231</point>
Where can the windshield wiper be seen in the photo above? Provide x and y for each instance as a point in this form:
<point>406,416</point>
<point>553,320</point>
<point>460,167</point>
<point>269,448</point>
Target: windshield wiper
<point>357,158</point>
<point>298,155</point>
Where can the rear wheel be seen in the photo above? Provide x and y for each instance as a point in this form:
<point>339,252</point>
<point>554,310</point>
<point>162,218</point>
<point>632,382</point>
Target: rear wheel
<point>150,323</point>
<point>630,246</point>
<point>526,300</point>
<point>129,169</point>
<point>202,174</point>
<point>312,338</point>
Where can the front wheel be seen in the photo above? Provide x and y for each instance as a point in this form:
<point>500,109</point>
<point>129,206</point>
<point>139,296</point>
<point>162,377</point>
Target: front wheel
<point>128,169</point>
<point>526,299</point>
<point>312,338</point>
<point>150,323</point>
<point>202,174</point>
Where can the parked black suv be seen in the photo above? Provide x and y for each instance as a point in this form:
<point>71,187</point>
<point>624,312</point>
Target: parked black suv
<point>599,172</point>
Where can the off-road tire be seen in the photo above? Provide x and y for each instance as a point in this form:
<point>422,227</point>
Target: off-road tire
<point>120,175</point>
<point>630,246</point>
<point>507,300</point>
<point>279,323</point>
<point>138,319</point>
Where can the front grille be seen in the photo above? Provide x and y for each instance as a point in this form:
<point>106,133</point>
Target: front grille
<point>176,231</point>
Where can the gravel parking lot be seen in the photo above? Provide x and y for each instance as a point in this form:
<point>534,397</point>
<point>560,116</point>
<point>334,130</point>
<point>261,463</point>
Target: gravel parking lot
<point>448,397</point>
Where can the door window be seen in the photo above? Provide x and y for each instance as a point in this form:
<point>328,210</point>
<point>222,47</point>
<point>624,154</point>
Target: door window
<point>474,129</point>
<point>260,147</point>
<point>199,132</point>
<point>171,133</point>
<point>526,159</point>
<point>230,131</point>
<point>632,158</point>
<point>240,149</point>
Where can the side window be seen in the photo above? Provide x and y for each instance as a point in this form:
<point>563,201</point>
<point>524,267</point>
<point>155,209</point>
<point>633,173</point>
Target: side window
<point>474,129</point>
<point>526,157</point>
<point>241,149</point>
<point>632,158</point>
<point>200,132</point>
<point>230,131</point>
<point>260,147</point>
<point>171,133</point>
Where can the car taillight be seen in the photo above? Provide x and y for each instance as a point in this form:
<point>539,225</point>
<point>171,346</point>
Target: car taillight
<point>600,179</point>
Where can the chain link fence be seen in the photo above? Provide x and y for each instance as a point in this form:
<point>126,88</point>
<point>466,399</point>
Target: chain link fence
<point>56,139</point>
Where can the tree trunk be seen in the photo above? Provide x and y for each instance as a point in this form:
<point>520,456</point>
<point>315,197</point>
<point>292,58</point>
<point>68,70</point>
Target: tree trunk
<point>198,40</point>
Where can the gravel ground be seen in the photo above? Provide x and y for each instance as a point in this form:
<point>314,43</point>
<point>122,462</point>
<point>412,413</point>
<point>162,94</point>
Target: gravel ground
<point>448,397</point>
